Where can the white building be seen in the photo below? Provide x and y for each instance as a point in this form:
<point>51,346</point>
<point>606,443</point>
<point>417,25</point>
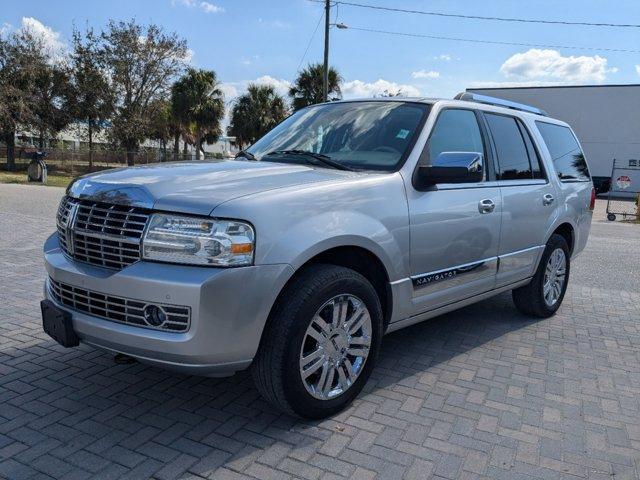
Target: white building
<point>73,138</point>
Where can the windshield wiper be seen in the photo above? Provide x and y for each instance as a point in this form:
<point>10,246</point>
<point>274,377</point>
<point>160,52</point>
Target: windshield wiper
<point>245,154</point>
<point>324,159</point>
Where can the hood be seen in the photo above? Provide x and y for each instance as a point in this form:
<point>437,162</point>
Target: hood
<point>194,187</point>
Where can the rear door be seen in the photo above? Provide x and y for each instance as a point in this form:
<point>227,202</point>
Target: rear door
<point>454,227</point>
<point>528,198</point>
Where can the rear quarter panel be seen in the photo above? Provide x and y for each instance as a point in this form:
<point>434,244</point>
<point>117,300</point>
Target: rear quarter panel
<point>573,198</point>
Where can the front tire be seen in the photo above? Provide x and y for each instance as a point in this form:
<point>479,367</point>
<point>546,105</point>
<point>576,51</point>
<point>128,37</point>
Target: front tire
<point>321,342</point>
<point>544,294</point>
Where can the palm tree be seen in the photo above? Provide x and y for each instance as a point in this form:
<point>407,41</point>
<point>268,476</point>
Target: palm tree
<point>255,113</point>
<point>198,104</point>
<point>307,89</point>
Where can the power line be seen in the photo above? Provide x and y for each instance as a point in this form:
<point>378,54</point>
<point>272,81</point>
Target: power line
<point>479,17</point>
<point>491,42</point>
<point>310,40</point>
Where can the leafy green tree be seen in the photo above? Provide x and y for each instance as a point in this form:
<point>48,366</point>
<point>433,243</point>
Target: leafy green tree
<point>21,61</point>
<point>141,63</point>
<point>161,126</point>
<point>307,89</point>
<point>91,99</point>
<point>51,96</point>
<point>255,113</point>
<point>198,103</point>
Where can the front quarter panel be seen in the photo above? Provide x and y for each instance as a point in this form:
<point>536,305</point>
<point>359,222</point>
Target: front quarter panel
<point>294,224</point>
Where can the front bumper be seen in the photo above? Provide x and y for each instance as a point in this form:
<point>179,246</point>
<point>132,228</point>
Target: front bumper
<point>229,308</point>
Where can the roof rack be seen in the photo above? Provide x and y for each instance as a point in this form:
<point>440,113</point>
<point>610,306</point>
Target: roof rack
<point>499,102</point>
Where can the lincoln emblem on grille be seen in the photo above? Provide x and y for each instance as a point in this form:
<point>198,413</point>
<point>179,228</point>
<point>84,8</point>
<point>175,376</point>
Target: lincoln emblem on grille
<point>68,224</point>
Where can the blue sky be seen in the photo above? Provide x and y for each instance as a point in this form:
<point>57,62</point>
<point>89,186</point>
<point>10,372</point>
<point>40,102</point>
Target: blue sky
<point>249,40</point>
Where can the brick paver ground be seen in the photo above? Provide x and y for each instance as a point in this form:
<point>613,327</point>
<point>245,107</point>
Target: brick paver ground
<point>480,393</point>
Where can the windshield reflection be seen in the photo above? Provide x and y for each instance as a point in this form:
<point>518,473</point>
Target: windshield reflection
<point>374,135</point>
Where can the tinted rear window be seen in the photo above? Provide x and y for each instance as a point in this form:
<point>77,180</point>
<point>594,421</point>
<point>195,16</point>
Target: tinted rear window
<point>513,157</point>
<point>565,151</point>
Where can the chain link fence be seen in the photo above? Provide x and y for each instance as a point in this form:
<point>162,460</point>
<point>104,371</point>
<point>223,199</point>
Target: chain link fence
<point>78,162</point>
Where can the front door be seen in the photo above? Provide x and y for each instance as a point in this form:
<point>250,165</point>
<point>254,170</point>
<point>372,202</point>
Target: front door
<point>455,228</point>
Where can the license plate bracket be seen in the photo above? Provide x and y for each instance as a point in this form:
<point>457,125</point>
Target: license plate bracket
<point>57,324</point>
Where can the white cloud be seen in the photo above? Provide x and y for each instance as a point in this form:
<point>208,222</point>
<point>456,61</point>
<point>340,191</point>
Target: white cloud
<point>358,88</point>
<point>206,7</point>
<point>538,64</point>
<point>52,40</point>
<point>638,69</point>
<point>234,89</point>
<point>443,56</point>
<point>282,86</point>
<point>230,91</point>
<point>188,56</point>
<point>275,23</point>
<point>425,74</point>
<point>249,60</point>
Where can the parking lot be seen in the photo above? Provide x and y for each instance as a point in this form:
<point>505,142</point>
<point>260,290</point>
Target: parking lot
<point>479,393</point>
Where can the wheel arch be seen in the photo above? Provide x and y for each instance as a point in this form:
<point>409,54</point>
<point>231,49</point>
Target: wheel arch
<point>568,232</point>
<point>357,258</point>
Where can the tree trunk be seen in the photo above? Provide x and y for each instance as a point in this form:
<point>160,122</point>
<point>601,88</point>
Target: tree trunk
<point>198,147</point>
<point>130,158</point>
<point>176,146</point>
<point>184,150</point>
<point>11,151</point>
<point>131,147</point>
<point>41,141</point>
<point>90,147</point>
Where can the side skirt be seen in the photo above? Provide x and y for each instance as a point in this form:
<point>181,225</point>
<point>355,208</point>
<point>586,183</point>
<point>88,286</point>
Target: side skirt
<point>400,324</point>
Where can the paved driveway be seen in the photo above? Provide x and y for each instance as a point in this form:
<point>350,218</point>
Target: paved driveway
<point>479,393</point>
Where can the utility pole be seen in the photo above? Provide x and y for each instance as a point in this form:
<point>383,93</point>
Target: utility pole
<point>325,73</point>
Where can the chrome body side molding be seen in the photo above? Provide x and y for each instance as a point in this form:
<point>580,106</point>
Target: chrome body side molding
<point>400,324</point>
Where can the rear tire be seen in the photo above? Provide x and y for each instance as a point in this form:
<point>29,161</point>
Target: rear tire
<point>544,294</point>
<point>611,217</point>
<point>297,341</point>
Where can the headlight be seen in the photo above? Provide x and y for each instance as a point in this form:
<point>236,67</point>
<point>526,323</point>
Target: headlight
<point>198,241</point>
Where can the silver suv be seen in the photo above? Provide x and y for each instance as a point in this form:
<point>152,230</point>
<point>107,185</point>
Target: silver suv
<point>347,221</point>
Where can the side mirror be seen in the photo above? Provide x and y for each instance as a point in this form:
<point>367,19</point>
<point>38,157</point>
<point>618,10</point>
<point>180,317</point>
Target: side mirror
<point>450,167</point>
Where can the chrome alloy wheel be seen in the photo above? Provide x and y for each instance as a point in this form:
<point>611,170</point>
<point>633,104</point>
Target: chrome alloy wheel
<point>554,277</point>
<point>335,347</point>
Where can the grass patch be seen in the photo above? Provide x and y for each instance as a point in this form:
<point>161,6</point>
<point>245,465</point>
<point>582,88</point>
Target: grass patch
<point>21,178</point>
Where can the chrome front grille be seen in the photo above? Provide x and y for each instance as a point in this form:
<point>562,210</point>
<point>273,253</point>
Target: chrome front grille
<point>118,309</point>
<point>100,233</point>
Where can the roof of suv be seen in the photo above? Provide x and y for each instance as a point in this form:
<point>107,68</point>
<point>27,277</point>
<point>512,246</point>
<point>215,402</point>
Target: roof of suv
<point>465,103</point>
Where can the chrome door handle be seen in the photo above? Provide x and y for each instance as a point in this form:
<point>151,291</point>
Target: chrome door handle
<point>547,199</point>
<point>486,206</point>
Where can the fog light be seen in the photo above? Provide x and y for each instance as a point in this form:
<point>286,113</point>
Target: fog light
<point>154,315</point>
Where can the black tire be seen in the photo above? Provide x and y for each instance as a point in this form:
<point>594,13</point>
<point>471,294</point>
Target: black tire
<point>529,299</point>
<point>276,366</point>
<point>611,217</point>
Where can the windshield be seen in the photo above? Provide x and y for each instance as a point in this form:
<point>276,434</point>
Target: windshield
<point>357,135</point>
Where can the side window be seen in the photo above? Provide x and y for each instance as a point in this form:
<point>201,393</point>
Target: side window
<point>513,158</point>
<point>565,151</point>
<point>534,159</point>
<point>455,131</point>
